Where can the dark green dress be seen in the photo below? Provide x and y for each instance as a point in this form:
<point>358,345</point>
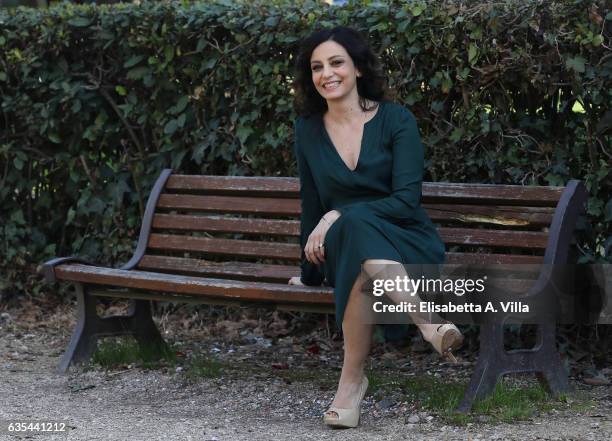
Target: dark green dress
<point>382,217</point>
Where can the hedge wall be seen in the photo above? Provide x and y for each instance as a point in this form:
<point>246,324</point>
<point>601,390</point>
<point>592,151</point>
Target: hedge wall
<point>96,100</point>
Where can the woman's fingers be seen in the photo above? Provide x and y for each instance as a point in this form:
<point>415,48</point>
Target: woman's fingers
<point>295,281</point>
<point>313,252</point>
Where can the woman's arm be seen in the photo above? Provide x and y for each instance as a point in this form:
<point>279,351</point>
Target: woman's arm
<point>312,211</point>
<point>407,173</point>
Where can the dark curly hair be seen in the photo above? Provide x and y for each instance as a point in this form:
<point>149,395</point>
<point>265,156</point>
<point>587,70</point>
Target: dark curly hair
<point>370,86</point>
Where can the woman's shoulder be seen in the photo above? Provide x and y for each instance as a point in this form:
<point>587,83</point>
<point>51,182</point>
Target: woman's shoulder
<point>305,125</point>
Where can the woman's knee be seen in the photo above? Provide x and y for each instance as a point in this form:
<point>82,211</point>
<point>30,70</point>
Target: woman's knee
<point>377,268</point>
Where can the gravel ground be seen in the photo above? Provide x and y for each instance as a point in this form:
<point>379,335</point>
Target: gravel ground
<point>258,398</point>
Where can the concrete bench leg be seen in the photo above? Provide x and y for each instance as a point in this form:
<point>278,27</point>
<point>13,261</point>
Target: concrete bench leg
<point>90,327</point>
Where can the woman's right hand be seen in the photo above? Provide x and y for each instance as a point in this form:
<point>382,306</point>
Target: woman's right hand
<point>314,250</point>
<point>295,281</point>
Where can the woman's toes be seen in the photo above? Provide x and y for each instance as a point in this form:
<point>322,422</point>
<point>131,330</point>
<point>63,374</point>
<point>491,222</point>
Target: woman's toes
<point>331,414</point>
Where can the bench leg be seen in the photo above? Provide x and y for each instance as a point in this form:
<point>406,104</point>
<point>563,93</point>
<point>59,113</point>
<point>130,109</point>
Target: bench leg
<point>487,371</point>
<point>552,377</point>
<point>494,362</point>
<point>90,327</point>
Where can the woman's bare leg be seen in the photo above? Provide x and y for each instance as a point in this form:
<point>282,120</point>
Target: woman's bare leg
<point>357,329</point>
<point>389,269</point>
<point>357,340</point>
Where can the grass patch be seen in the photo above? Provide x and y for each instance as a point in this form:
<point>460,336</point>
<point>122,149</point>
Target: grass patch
<point>294,375</point>
<point>204,367</point>
<point>507,403</point>
<point>115,352</point>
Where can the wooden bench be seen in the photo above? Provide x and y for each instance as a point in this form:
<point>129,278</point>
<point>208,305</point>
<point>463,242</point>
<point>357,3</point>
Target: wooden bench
<point>235,240</point>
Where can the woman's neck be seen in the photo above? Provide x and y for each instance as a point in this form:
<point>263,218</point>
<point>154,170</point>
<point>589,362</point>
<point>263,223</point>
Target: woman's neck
<point>345,112</point>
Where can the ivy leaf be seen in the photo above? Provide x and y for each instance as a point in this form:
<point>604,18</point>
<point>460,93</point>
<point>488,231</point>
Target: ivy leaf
<point>54,137</point>
<point>243,133</point>
<point>608,211</point>
<point>133,61</point>
<point>18,163</point>
<point>201,44</point>
<point>576,63</point>
<point>271,21</point>
<point>79,22</point>
<point>171,127</point>
<point>121,90</point>
<point>472,53</point>
<point>137,73</point>
<point>180,105</point>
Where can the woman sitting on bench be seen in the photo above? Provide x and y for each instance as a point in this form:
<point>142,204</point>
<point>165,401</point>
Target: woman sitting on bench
<point>360,162</point>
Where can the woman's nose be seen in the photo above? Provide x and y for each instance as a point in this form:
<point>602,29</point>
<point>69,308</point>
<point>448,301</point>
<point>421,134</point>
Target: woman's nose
<point>327,71</point>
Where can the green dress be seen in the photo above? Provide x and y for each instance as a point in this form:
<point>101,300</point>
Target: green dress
<point>379,201</point>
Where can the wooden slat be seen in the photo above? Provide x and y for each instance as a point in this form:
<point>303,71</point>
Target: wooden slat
<point>237,270</point>
<point>216,288</point>
<point>490,194</point>
<point>282,273</point>
<point>491,259</point>
<point>229,204</point>
<point>225,247</point>
<point>257,249</point>
<point>245,185</point>
<point>450,236</point>
<point>493,238</point>
<point>506,216</point>
<point>494,215</point>
<point>227,224</point>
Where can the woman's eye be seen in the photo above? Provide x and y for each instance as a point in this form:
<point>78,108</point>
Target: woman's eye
<point>315,68</point>
<point>336,63</point>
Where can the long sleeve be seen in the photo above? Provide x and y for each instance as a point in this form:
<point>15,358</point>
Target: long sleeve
<point>312,211</point>
<point>407,173</point>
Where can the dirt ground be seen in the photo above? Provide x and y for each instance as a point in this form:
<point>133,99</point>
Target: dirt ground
<point>259,398</point>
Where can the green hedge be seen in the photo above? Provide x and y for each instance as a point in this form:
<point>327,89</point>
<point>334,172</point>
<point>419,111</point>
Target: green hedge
<point>96,100</point>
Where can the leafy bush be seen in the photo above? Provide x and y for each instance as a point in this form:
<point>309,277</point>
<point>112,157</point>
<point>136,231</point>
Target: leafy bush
<point>96,100</point>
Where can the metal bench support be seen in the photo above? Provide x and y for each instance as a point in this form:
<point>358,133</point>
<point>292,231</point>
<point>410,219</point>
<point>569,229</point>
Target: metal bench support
<point>494,362</point>
<point>90,327</point>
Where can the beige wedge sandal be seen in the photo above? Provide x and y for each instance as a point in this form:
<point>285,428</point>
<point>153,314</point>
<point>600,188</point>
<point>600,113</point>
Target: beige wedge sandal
<point>347,418</point>
<point>445,340</point>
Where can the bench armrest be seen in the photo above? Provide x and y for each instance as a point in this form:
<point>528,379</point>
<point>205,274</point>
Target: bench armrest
<point>47,269</point>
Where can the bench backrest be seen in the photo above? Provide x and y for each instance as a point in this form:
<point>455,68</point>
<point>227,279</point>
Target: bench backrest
<point>221,225</point>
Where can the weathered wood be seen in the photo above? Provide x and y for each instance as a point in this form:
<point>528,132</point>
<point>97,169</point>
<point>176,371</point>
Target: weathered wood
<point>493,259</point>
<point>230,204</point>
<point>237,270</point>
<point>255,291</point>
<point>247,185</point>
<point>225,247</point>
<point>491,194</point>
<point>493,238</point>
<point>508,216</point>
<point>221,224</point>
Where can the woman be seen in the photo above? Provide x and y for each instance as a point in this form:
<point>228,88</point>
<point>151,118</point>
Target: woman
<point>360,162</point>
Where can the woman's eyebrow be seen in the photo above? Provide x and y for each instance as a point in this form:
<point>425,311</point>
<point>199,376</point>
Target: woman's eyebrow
<point>330,58</point>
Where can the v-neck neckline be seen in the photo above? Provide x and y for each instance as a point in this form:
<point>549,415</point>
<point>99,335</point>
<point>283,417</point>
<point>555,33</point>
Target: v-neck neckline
<point>363,133</point>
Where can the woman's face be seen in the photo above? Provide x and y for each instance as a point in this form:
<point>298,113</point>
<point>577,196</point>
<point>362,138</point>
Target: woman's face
<point>333,73</point>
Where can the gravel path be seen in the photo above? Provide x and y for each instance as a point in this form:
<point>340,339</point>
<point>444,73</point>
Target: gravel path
<point>163,404</point>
